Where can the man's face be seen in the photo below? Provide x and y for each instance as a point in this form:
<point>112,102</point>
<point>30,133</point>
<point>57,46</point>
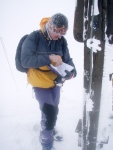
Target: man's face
<point>56,33</point>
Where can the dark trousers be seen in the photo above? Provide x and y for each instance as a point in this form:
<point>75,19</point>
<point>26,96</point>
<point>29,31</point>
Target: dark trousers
<point>48,101</point>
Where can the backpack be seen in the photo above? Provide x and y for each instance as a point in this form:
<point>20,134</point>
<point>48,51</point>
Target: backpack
<point>18,64</point>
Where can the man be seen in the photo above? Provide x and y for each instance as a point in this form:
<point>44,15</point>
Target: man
<point>51,49</point>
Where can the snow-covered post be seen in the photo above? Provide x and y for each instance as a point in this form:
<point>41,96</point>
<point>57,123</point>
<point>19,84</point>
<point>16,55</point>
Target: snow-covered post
<point>111,79</point>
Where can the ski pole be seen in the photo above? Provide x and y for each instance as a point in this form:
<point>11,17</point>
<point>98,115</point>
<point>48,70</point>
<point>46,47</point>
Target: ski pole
<point>2,43</point>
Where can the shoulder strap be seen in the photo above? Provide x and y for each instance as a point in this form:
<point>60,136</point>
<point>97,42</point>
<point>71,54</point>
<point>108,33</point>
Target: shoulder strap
<point>37,38</point>
<point>37,34</point>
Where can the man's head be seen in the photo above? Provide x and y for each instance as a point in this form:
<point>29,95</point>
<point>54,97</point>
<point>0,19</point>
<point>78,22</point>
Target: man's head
<point>57,26</point>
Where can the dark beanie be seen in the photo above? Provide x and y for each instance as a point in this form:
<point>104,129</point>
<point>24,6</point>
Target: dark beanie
<point>59,20</point>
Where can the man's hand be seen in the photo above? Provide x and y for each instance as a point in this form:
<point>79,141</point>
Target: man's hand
<point>56,60</point>
<point>70,74</point>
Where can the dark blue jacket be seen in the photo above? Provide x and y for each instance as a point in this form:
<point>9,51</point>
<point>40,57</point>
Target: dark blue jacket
<point>35,51</point>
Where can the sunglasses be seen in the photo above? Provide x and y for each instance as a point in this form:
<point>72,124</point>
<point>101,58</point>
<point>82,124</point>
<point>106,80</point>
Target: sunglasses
<point>57,31</point>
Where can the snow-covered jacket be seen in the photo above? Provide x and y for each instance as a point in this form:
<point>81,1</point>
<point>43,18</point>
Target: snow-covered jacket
<point>35,56</point>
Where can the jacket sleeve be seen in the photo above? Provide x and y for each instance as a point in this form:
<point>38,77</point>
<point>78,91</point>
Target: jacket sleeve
<point>29,56</point>
<point>66,56</point>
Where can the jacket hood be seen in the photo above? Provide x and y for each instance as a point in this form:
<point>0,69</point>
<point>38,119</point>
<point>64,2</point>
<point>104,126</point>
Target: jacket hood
<point>43,22</point>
